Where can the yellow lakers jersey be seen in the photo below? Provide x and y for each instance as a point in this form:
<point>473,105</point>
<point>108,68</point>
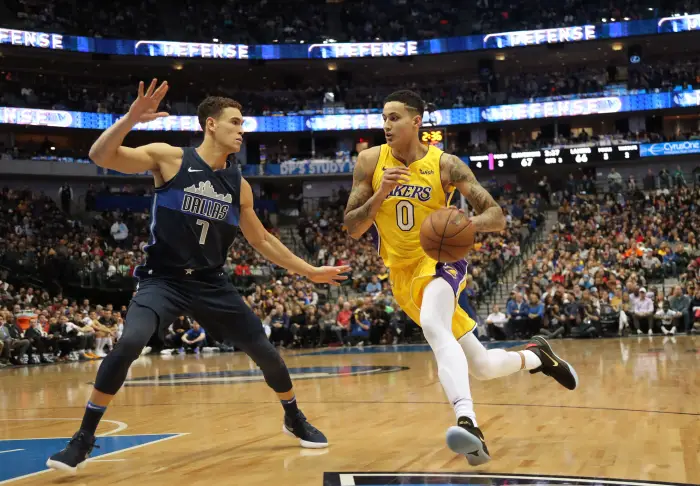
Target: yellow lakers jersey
<point>398,222</point>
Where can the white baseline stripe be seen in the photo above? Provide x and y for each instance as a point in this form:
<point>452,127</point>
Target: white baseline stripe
<point>347,480</point>
<point>105,455</point>
<point>11,450</point>
<point>465,475</point>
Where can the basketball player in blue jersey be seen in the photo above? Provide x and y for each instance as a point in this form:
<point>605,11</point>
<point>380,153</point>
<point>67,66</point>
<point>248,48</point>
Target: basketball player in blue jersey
<point>200,203</point>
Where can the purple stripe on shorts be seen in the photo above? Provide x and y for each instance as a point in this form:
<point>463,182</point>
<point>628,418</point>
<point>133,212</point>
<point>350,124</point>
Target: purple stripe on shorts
<point>376,239</point>
<point>452,273</point>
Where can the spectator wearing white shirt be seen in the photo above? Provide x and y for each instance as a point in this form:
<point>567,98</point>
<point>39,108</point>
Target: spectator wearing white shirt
<point>643,310</point>
<point>495,323</point>
<point>666,316</point>
<point>82,339</point>
<point>119,232</point>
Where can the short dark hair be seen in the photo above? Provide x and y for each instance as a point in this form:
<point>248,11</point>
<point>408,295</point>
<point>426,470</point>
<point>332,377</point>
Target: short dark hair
<point>212,106</point>
<point>411,99</point>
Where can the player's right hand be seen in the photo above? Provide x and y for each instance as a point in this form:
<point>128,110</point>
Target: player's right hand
<point>394,177</point>
<point>144,108</point>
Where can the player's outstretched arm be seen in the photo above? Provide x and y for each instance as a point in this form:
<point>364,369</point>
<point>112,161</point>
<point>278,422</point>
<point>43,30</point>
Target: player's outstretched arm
<point>454,172</point>
<point>273,249</point>
<point>363,203</point>
<point>108,152</point>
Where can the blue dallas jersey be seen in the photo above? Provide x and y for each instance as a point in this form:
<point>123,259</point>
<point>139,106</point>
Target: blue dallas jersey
<point>194,219</point>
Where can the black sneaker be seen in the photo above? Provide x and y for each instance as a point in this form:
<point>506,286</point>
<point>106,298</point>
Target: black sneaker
<point>75,454</point>
<point>552,365</point>
<point>467,439</point>
<point>309,436</point>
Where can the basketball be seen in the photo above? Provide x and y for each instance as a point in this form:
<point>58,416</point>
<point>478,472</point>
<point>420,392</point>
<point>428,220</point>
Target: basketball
<point>447,235</point>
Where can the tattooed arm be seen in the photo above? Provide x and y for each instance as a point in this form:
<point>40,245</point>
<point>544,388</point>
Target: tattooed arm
<point>454,172</point>
<point>363,204</point>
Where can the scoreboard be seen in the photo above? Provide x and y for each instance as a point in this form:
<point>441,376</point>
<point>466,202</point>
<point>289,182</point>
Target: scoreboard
<point>554,156</point>
<point>433,136</point>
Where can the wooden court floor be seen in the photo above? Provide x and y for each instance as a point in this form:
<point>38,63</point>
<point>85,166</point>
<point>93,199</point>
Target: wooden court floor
<point>189,420</point>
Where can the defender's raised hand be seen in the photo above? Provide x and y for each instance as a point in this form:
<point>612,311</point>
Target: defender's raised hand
<point>144,108</point>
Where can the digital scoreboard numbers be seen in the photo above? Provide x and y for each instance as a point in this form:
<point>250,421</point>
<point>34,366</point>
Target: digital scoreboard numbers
<point>554,156</point>
<point>433,136</point>
<point>488,162</point>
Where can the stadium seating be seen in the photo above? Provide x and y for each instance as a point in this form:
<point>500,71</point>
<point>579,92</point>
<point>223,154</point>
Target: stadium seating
<point>268,22</point>
<point>605,251</point>
<point>85,93</point>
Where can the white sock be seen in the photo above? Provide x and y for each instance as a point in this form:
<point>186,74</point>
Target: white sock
<point>531,359</point>
<point>436,320</point>
<point>487,364</point>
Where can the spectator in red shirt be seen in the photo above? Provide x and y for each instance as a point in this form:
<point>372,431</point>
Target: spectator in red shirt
<point>242,269</point>
<point>344,316</point>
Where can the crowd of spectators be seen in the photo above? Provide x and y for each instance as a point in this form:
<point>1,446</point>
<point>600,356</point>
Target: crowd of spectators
<point>265,22</point>
<point>665,180</point>
<point>99,249</point>
<point>42,239</point>
<point>614,264</point>
<point>38,328</point>
<point>600,271</point>
<point>324,93</point>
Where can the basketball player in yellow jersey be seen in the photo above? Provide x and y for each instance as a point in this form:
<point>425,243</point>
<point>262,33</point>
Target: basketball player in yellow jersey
<point>395,187</point>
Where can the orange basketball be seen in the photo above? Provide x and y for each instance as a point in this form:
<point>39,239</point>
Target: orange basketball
<point>447,235</point>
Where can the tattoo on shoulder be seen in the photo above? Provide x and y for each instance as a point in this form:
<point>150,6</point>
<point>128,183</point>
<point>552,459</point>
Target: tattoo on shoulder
<point>457,171</point>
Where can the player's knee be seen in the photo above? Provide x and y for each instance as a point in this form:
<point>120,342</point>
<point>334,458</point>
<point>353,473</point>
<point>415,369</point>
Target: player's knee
<point>141,322</point>
<point>480,369</point>
<point>485,365</point>
<point>129,347</point>
<point>270,363</point>
<point>433,327</point>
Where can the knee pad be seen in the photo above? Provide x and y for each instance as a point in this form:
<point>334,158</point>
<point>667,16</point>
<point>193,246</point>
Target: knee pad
<point>485,366</point>
<point>140,325</point>
<point>434,330</point>
<point>479,369</point>
<point>270,362</point>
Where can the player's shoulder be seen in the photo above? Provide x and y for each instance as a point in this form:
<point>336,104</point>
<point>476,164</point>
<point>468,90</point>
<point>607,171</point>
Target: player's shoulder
<point>447,159</point>
<point>367,160</point>
<point>163,150</point>
<point>452,166</point>
<point>371,153</point>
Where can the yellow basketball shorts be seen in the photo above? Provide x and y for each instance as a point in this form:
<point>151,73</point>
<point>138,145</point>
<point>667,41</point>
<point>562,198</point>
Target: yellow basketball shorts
<point>409,282</point>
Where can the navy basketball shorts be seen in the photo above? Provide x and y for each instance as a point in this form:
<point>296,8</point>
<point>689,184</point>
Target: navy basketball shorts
<point>213,302</point>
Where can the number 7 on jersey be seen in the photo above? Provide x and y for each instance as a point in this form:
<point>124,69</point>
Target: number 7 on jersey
<point>205,230</point>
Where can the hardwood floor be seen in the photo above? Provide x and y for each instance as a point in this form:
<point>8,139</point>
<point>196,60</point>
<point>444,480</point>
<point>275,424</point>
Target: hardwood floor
<point>187,420</point>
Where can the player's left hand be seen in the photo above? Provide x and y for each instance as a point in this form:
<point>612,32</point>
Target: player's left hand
<point>329,275</point>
